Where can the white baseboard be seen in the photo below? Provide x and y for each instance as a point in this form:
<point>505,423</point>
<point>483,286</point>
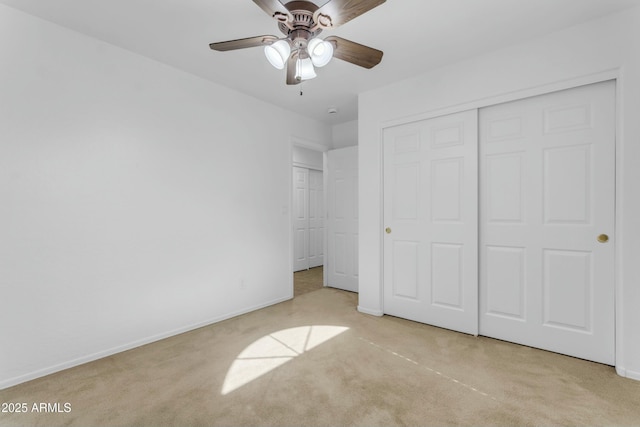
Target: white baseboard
<point>633,375</point>
<point>119,349</point>
<point>369,311</point>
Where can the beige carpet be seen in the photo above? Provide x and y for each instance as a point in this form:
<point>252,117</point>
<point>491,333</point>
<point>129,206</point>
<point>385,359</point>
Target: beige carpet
<point>307,281</point>
<point>315,360</point>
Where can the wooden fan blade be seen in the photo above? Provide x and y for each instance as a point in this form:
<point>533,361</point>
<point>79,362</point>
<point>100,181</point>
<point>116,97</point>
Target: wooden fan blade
<point>274,9</point>
<point>355,53</point>
<point>291,69</point>
<point>338,12</point>
<point>243,43</point>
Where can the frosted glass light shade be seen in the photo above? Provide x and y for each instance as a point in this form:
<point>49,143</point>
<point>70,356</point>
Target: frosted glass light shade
<point>320,51</point>
<point>304,69</point>
<point>278,53</point>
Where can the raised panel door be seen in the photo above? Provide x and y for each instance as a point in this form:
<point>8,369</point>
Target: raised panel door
<point>316,219</point>
<point>341,263</point>
<point>430,220</point>
<point>300,218</point>
<point>547,191</point>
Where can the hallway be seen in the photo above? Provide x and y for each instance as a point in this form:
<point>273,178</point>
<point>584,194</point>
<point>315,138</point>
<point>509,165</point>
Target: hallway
<point>307,281</point>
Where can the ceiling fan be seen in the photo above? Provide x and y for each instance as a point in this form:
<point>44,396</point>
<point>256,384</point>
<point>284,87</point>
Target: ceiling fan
<point>300,50</point>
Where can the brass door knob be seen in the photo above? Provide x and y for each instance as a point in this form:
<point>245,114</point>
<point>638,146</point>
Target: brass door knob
<point>388,230</point>
<point>603,238</point>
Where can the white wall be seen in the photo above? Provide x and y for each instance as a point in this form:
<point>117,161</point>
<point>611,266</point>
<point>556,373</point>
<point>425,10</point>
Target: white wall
<point>137,201</point>
<point>307,158</point>
<point>595,50</point>
<point>345,134</point>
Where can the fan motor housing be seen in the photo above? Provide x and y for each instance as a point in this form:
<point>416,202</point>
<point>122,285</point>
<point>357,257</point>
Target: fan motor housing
<point>302,27</point>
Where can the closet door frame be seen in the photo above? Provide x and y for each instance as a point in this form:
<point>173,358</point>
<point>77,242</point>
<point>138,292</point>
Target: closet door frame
<point>615,75</point>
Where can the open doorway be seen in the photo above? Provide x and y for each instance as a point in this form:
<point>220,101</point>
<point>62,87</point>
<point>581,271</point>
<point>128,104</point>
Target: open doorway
<point>308,217</point>
<point>306,281</point>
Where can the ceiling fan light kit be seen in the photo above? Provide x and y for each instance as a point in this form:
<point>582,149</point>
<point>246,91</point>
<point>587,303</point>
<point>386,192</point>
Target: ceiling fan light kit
<point>304,69</point>
<point>278,53</point>
<point>301,50</point>
<point>320,51</point>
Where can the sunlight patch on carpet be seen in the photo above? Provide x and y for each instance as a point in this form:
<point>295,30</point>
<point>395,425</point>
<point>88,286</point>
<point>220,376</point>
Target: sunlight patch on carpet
<point>274,350</point>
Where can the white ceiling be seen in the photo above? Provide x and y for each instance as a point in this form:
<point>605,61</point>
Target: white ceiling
<point>415,35</point>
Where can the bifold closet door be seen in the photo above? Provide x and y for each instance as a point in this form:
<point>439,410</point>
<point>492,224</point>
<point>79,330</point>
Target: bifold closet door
<point>316,219</point>
<point>300,219</point>
<point>308,218</point>
<point>547,189</point>
<point>430,221</point>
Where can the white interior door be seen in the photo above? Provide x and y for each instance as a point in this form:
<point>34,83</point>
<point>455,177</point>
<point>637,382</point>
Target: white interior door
<point>316,218</point>
<point>308,218</point>
<point>547,193</point>
<point>341,267</point>
<point>431,219</point>
<point>300,218</point>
